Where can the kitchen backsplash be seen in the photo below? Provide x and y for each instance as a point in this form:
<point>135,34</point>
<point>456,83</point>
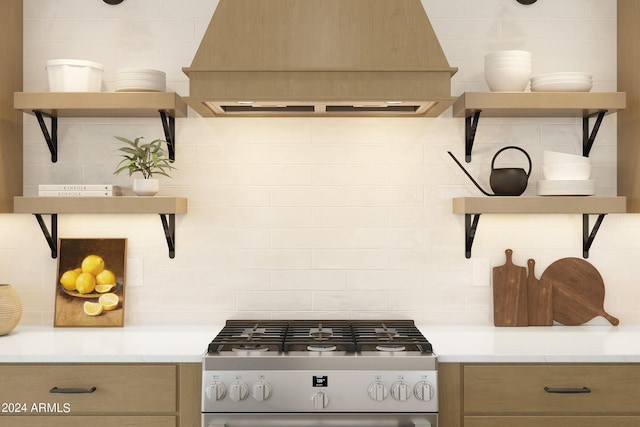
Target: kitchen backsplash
<point>318,218</point>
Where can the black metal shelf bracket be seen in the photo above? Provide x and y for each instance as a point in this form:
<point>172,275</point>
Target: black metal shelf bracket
<point>470,227</point>
<point>589,235</point>
<point>169,126</point>
<point>470,128</point>
<point>169,227</point>
<point>52,238</point>
<point>51,138</point>
<point>589,137</point>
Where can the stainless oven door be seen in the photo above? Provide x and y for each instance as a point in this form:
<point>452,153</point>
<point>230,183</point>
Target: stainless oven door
<point>320,420</point>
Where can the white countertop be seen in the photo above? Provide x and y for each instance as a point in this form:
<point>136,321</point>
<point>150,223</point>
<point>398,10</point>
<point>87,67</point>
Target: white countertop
<point>186,344</point>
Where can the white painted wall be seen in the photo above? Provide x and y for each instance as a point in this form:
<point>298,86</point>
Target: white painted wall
<point>317,218</point>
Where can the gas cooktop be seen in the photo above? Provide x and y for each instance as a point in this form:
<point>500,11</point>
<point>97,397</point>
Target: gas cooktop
<point>320,336</point>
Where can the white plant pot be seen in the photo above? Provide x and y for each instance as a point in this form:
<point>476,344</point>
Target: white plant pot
<point>146,187</point>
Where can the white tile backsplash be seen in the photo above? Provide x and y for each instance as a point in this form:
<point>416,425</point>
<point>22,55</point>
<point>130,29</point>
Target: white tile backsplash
<point>318,218</point>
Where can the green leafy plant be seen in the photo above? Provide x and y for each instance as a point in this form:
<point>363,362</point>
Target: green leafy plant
<point>147,158</point>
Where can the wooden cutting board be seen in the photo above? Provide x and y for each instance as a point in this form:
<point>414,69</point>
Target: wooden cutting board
<point>510,294</point>
<point>578,291</point>
<point>540,304</point>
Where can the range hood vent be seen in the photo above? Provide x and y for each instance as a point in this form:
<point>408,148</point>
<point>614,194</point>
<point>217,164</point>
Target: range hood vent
<point>320,58</point>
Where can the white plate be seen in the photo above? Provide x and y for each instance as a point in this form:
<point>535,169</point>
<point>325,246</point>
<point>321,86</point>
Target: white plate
<point>585,187</point>
<point>561,87</point>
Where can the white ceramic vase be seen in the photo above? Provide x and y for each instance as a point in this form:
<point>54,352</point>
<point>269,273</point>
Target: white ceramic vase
<point>146,187</point>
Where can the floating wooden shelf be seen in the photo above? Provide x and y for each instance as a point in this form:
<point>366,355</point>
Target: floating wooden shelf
<point>100,104</point>
<point>587,105</point>
<point>166,105</point>
<point>473,207</point>
<point>166,207</point>
<point>538,104</point>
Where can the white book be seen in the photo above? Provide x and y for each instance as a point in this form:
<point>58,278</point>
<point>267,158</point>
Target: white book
<point>77,187</point>
<point>81,193</point>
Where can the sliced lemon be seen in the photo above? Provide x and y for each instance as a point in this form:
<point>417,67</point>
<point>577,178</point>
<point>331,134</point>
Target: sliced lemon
<point>109,301</point>
<point>92,308</point>
<point>101,289</point>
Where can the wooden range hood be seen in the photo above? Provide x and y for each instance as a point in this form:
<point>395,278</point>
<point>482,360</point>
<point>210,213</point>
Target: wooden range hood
<point>320,58</point>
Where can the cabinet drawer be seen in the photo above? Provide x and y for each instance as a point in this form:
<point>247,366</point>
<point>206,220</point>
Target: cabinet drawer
<point>93,421</point>
<point>139,388</point>
<point>557,421</point>
<point>510,389</point>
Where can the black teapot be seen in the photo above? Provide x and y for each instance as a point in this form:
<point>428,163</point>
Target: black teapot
<point>503,181</point>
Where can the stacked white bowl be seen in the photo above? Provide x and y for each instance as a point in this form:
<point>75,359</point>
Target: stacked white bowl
<point>570,81</point>
<point>140,80</point>
<point>565,175</point>
<point>507,70</point>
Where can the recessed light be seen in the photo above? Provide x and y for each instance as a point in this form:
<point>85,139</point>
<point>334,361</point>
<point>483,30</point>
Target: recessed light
<point>245,102</point>
<point>394,102</point>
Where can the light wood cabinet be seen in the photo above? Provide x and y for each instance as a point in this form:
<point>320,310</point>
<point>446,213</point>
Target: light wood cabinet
<point>545,394</point>
<point>10,119</point>
<point>101,395</point>
<point>629,119</point>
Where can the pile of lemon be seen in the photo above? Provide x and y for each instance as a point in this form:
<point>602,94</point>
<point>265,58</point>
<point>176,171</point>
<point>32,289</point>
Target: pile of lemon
<point>89,277</point>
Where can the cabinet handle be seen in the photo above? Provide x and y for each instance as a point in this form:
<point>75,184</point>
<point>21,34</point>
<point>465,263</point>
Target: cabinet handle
<point>567,390</point>
<point>72,390</point>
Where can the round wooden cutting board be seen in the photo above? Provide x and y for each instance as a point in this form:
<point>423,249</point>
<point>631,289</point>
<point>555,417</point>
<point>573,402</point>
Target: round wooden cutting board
<point>578,291</point>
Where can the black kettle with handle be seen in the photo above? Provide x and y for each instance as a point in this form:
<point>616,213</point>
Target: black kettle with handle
<point>503,181</point>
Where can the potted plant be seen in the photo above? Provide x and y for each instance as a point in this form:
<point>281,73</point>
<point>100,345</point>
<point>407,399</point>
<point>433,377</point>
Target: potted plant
<point>149,159</point>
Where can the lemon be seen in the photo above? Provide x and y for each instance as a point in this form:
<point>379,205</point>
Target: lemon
<point>85,283</point>
<point>109,301</point>
<point>106,277</point>
<point>93,264</point>
<point>92,308</point>
<point>101,289</point>
<point>68,280</point>
<point>78,270</point>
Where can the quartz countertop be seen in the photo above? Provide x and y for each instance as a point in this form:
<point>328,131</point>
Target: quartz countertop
<point>455,343</point>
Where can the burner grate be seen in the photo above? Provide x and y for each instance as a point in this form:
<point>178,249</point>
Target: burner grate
<point>389,336</point>
<point>319,335</point>
<point>250,335</point>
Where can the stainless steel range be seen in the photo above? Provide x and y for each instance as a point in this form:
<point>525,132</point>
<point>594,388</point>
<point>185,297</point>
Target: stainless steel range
<point>305,373</point>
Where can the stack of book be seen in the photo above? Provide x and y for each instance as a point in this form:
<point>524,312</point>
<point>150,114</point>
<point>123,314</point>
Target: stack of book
<point>78,190</point>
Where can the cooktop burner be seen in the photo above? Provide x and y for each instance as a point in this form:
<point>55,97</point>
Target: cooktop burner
<point>320,336</point>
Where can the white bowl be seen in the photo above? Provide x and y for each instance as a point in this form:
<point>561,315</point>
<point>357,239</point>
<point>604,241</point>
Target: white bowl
<point>586,187</point>
<point>509,54</point>
<point>562,87</point>
<point>553,157</point>
<point>507,79</point>
<point>74,75</point>
<point>566,171</point>
<point>563,75</point>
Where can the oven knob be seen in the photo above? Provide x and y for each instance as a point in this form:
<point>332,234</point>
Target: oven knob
<point>261,391</point>
<point>319,400</point>
<point>423,391</point>
<point>378,391</point>
<point>238,391</point>
<point>216,391</point>
<point>400,391</point>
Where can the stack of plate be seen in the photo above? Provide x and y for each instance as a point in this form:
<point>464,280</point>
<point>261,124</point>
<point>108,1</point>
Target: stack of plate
<point>565,175</point>
<point>140,80</point>
<point>562,82</point>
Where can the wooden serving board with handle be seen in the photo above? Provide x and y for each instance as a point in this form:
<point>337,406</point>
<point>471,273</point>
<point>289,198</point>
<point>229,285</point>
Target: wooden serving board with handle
<point>578,291</point>
<point>539,298</point>
<point>510,294</point>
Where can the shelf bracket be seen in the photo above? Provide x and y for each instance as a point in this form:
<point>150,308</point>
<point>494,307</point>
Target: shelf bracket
<point>52,238</point>
<point>589,137</point>
<point>471,125</point>
<point>470,227</point>
<point>51,138</point>
<point>588,236</point>
<point>169,126</point>
<point>169,227</point>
